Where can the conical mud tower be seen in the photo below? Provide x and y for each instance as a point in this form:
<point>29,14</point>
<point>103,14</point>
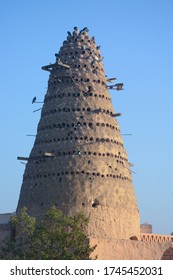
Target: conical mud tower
<point>78,161</point>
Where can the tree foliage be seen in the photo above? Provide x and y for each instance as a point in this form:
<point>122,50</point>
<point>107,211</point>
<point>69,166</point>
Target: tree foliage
<point>56,237</point>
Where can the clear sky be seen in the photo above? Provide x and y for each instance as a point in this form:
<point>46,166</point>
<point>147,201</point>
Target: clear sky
<point>136,38</point>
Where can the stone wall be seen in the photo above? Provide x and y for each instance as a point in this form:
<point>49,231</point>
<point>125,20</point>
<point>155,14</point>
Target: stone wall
<point>146,228</point>
<point>120,249</point>
<point>114,249</point>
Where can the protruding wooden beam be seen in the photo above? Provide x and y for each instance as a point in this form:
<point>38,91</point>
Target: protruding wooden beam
<point>37,110</point>
<point>23,158</point>
<point>96,111</point>
<point>48,154</point>
<point>50,67</point>
<point>110,80</point>
<point>63,64</point>
<point>117,115</point>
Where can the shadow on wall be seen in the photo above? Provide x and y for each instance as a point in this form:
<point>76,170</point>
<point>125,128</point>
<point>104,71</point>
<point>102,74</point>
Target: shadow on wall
<point>133,238</point>
<point>168,254</point>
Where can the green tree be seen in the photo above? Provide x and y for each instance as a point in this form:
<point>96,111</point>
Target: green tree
<point>18,244</point>
<point>57,236</point>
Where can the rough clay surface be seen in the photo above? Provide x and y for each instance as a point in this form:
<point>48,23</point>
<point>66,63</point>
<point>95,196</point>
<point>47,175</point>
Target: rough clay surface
<point>86,167</point>
<point>114,249</point>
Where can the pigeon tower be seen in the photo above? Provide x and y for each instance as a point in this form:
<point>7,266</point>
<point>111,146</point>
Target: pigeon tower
<point>78,161</point>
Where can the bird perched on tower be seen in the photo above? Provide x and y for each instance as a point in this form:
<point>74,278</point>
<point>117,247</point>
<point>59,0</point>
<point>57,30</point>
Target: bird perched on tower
<point>34,99</point>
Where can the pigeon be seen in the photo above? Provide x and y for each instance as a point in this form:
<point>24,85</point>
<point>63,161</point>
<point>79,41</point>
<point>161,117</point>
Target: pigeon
<point>93,38</point>
<point>34,99</point>
<point>85,29</point>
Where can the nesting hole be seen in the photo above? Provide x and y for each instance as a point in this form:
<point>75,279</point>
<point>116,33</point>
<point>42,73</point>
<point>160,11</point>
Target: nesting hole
<point>95,203</point>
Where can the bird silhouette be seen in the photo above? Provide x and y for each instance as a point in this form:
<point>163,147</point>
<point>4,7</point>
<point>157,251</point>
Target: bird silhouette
<point>34,99</point>
<point>93,38</point>
<point>85,29</point>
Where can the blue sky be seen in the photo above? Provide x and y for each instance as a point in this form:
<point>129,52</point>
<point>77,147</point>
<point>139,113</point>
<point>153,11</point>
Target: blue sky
<point>136,42</point>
